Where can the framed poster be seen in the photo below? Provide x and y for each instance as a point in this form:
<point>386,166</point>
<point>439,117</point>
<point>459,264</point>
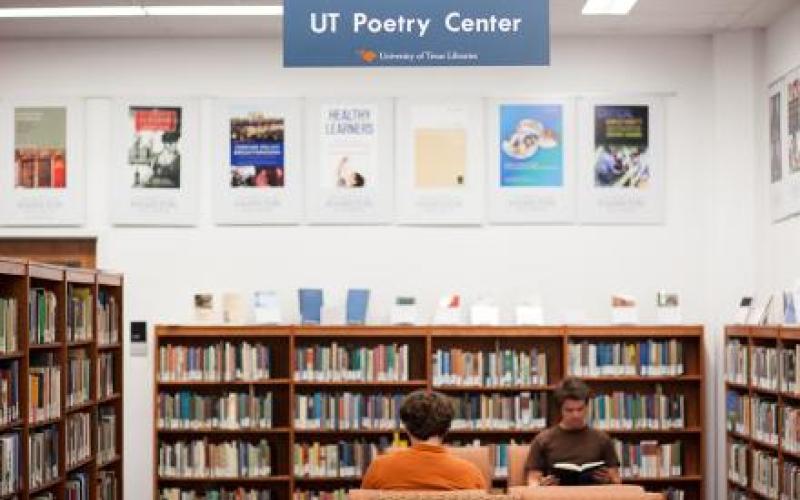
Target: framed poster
<point>791,179</point>
<point>155,162</point>
<point>257,176</point>
<point>350,159</point>
<point>440,157</point>
<point>42,175</point>
<point>621,167</point>
<point>531,157</point>
<point>776,155</point>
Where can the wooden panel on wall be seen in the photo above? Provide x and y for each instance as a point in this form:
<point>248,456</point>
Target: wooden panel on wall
<point>72,252</point>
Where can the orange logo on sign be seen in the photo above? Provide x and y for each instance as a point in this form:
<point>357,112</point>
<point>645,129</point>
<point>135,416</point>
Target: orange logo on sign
<point>367,55</point>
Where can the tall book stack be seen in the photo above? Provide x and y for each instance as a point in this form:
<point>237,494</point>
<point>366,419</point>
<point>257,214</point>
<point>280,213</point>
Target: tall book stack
<point>762,408</point>
<point>49,402</point>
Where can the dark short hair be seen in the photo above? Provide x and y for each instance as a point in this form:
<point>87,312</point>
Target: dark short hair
<point>358,180</point>
<point>426,414</point>
<point>572,388</point>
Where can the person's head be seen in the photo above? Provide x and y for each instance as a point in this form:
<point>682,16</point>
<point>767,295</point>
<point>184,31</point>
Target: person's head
<point>572,396</point>
<point>170,139</point>
<point>426,415</point>
<point>358,180</point>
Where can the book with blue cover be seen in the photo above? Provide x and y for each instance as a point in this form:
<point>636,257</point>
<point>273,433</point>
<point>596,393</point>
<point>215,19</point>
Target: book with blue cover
<point>357,303</point>
<point>310,305</point>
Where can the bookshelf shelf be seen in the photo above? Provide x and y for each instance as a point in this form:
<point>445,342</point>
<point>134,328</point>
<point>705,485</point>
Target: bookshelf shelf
<point>11,425</point>
<point>498,388</point>
<point>225,479</point>
<point>108,347</point>
<point>80,407</point>
<point>45,486</point>
<point>79,464</point>
<point>670,479</point>
<point>45,347</point>
<point>12,355</point>
<point>109,399</point>
<point>259,431</point>
<point>44,423</point>
<point>111,461</point>
<point>423,343</point>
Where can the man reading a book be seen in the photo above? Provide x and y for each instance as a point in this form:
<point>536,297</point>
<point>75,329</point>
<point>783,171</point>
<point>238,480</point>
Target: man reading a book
<point>571,452</point>
<point>426,465</point>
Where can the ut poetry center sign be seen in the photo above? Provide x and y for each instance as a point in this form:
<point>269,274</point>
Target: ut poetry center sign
<point>416,33</point>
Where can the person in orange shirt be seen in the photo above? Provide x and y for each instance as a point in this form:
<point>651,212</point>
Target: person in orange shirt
<point>426,465</point>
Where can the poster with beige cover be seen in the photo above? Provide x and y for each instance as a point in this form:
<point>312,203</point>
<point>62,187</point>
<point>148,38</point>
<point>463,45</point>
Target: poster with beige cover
<point>42,176</point>
<point>439,172</point>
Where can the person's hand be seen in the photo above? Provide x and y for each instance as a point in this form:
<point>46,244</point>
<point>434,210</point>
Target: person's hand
<point>550,480</point>
<point>601,476</point>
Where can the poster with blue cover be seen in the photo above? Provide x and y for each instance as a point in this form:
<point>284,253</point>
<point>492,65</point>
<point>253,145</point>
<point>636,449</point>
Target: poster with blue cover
<point>531,149</point>
<point>256,149</point>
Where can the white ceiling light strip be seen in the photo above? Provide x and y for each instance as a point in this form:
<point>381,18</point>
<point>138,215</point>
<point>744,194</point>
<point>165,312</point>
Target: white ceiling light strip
<point>607,7</point>
<point>44,12</point>
<point>138,10</point>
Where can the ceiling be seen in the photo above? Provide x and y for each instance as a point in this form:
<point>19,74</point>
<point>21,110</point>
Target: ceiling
<point>649,17</point>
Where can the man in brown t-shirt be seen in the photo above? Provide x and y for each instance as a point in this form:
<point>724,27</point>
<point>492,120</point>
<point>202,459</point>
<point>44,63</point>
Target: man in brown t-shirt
<point>427,465</point>
<point>571,441</point>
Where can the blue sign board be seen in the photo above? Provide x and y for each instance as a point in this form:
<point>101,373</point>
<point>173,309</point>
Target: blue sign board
<point>416,33</point>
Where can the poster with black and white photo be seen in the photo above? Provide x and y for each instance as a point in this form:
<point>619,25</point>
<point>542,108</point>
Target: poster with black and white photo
<point>440,157</point>
<point>531,178</point>
<point>791,180</point>
<point>776,152</point>
<point>155,161</point>
<point>257,177</point>
<point>620,164</point>
<point>42,175</point>
<point>350,158</point>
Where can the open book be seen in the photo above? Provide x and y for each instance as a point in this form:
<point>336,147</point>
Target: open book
<point>572,474</point>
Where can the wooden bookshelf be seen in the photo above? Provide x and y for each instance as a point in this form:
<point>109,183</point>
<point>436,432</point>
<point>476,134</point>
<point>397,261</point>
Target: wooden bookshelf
<point>752,337</point>
<point>423,342</point>
<point>17,278</point>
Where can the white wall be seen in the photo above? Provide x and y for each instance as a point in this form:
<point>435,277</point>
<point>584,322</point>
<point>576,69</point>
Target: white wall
<point>697,252</point>
<point>779,244</point>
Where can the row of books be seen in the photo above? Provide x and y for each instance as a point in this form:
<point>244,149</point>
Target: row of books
<point>737,361</point>
<point>79,373</point>
<point>80,323</point>
<point>790,484</point>
<point>340,494</point>
<point>44,379</point>
<point>790,419</point>
<point>43,460</point>
<point>106,434</point>
<point>342,459</point>
<point>107,318</point>
<point>76,487</point>
<point>220,362</point>
<point>9,392</point>
<point>645,358</point>
<point>79,442</point>
<point>9,463</point>
<point>41,316</point>
<point>764,368</point>
<point>336,362</point>
<point>737,494</point>
<point>505,367</point>
<point>9,324</point>
<point>107,488</point>
<point>764,413</point>
<point>347,411</point>
<point>737,411</point>
<point>201,458</point>
<point>105,375</point>
<point>232,410</point>
<point>215,494</point>
<point>649,459</point>
<point>766,474</point>
<point>627,411</point>
<point>525,410</point>
<point>737,462</point>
